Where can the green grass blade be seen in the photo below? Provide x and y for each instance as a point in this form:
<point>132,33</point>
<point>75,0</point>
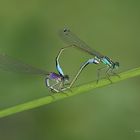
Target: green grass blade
<point>74,91</point>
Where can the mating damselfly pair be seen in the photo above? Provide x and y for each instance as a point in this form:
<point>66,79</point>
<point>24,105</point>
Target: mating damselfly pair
<point>58,82</point>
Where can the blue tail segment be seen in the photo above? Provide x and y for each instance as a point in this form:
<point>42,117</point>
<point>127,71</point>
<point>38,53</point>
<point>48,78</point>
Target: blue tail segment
<point>59,69</point>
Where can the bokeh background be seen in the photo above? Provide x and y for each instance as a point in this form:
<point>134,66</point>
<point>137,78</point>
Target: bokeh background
<point>28,31</point>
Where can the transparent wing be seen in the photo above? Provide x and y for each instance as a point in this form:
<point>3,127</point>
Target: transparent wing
<point>70,38</point>
<point>10,64</point>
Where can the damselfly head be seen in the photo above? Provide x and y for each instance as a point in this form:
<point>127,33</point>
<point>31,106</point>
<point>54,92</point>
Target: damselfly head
<point>66,78</point>
<point>116,64</point>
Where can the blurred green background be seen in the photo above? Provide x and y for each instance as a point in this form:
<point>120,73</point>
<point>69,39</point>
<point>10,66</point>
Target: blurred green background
<point>28,31</point>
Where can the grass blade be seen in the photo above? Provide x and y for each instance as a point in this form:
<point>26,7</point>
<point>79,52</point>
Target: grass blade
<point>74,91</point>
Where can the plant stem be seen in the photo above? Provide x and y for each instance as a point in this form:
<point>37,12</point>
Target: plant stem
<point>74,91</point>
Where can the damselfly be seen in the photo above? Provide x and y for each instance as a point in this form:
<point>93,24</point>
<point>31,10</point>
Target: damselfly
<point>73,41</point>
<point>54,81</point>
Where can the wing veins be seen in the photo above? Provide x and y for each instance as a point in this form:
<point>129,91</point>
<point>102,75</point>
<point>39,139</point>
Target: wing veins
<point>70,38</point>
<point>11,64</point>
